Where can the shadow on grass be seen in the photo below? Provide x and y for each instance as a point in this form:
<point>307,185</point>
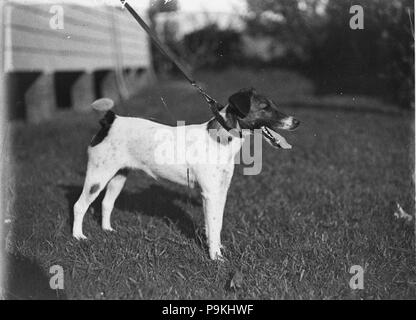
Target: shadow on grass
<point>27,281</point>
<point>155,201</point>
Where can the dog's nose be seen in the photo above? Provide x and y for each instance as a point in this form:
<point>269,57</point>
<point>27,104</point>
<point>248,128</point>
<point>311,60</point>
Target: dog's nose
<point>295,123</point>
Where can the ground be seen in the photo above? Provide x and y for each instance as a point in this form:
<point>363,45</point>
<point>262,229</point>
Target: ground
<point>294,231</point>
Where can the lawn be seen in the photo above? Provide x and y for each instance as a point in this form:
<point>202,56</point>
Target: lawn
<point>292,232</point>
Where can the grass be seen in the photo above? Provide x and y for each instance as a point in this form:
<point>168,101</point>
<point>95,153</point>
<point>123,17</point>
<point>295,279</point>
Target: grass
<point>292,232</point>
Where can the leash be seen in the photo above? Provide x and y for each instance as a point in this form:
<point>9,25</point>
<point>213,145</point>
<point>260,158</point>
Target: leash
<point>214,105</point>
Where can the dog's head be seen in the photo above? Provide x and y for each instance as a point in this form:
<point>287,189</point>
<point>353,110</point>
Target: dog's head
<point>254,111</point>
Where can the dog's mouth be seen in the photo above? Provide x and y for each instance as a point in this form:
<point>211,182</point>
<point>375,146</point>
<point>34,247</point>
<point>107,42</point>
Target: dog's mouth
<point>275,139</point>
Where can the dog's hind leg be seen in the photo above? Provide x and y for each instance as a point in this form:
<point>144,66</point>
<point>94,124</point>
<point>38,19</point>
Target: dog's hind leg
<point>95,181</point>
<point>112,191</point>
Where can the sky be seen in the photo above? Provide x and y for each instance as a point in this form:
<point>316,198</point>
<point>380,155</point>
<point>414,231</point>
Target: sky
<point>213,5</point>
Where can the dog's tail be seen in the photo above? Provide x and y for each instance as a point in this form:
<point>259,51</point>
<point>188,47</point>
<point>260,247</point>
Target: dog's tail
<point>103,107</point>
<point>103,104</point>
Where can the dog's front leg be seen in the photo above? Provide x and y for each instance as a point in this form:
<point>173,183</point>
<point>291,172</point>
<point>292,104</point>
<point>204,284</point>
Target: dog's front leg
<point>213,203</point>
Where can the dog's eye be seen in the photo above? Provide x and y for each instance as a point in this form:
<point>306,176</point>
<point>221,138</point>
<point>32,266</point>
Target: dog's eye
<point>263,105</point>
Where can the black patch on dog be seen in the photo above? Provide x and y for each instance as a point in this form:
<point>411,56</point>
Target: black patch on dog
<point>240,102</point>
<point>123,172</point>
<point>94,188</point>
<point>105,123</point>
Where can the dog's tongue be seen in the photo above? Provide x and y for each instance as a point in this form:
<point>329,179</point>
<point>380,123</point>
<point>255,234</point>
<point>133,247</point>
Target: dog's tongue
<point>279,141</point>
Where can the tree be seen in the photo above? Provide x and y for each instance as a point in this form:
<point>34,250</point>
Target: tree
<point>383,49</point>
<point>160,63</point>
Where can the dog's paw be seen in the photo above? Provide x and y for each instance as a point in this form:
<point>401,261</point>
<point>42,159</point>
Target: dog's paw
<point>79,236</point>
<point>219,258</point>
<point>109,229</point>
<point>216,255</point>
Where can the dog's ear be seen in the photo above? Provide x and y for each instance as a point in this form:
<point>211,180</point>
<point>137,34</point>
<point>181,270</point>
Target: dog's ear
<point>240,102</point>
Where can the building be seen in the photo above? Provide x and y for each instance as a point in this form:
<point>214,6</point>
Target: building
<point>66,53</point>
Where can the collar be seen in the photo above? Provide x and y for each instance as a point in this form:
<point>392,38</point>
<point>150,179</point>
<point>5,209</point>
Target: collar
<point>224,127</point>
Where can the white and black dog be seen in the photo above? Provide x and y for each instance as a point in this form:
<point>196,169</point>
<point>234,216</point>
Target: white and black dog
<point>126,143</point>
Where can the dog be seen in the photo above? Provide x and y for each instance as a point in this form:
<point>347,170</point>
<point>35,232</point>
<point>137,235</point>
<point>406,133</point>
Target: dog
<point>127,143</point>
